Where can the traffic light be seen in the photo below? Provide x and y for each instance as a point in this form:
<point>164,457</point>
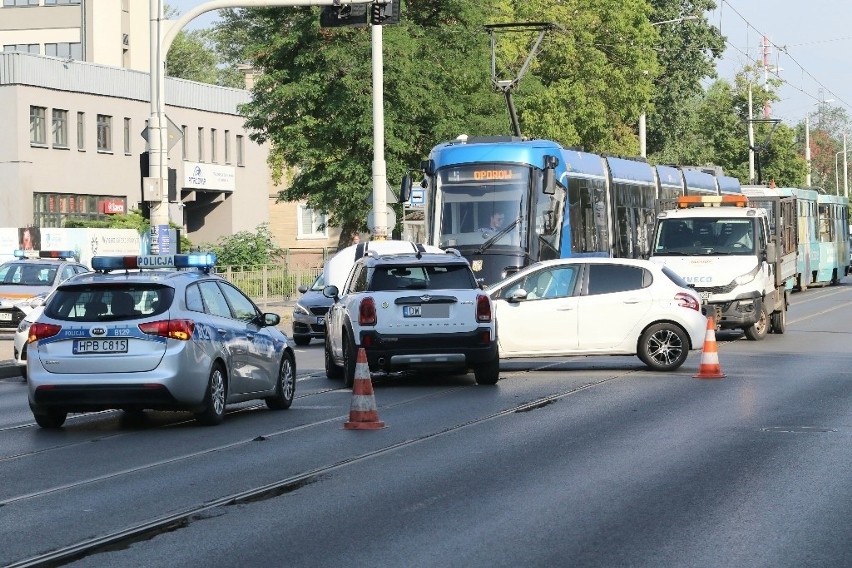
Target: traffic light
<point>384,13</point>
<point>350,15</point>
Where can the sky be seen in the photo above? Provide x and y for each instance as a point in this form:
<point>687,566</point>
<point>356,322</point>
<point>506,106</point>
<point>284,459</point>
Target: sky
<point>809,43</point>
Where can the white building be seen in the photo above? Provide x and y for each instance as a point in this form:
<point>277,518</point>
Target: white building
<point>74,102</point>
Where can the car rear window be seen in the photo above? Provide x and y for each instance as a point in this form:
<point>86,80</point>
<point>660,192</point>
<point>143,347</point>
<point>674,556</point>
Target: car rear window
<point>422,277</point>
<point>108,303</point>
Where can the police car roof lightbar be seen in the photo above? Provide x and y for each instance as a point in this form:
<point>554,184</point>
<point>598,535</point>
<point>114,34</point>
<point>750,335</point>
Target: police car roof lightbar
<point>204,261</point>
<point>61,254</point>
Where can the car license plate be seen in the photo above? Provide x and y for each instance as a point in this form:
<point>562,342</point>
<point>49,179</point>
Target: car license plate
<point>320,320</point>
<point>5,317</point>
<point>86,346</point>
<point>411,311</point>
<point>705,295</point>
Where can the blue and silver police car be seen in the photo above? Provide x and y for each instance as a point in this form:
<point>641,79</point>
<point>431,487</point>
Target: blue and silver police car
<point>155,332</point>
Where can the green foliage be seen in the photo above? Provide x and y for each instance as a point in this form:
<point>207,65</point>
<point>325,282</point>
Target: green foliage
<point>246,248</point>
<point>193,56</point>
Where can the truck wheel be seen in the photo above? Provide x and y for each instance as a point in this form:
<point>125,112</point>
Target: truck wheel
<point>779,321</point>
<point>663,347</point>
<point>759,329</point>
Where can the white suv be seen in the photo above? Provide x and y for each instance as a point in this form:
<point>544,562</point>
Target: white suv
<point>411,311</point>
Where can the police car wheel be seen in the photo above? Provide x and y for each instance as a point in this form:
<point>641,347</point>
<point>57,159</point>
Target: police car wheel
<point>50,418</point>
<point>214,399</point>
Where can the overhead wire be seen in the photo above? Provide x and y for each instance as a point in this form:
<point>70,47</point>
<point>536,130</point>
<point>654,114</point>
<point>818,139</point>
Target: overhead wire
<point>779,50</point>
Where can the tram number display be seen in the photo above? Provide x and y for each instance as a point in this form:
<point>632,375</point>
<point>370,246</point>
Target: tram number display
<point>484,173</point>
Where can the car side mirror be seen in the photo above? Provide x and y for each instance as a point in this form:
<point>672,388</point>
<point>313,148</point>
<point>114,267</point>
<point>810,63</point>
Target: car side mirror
<point>331,291</point>
<point>405,189</point>
<point>517,296</point>
<point>270,319</point>
<point>302,289</point>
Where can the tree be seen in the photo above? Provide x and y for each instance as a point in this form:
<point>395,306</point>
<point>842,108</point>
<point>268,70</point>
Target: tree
<point>246,248</point>
<point>686,51</point>
<point>313,99</point>
<point>193,56</point>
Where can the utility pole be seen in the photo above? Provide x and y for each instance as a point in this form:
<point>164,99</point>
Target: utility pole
<point>750,139</point>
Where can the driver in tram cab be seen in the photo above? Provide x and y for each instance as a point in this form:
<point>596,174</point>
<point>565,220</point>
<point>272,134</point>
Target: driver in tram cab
<point>495,223</point>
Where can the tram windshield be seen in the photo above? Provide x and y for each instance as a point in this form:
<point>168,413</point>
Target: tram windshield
<point>482,205</point>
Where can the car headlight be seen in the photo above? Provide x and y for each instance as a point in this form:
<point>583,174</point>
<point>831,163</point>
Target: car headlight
<point>299,309</point>
<point>748,277</point>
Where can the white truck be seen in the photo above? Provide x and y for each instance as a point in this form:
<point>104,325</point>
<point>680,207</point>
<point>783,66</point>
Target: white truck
<point>737,257</point>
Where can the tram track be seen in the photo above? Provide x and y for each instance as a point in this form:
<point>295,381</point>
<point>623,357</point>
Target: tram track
<point>148,529</point>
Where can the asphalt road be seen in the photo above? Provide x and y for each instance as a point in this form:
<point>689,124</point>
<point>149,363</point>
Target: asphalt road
<point>579,462</point>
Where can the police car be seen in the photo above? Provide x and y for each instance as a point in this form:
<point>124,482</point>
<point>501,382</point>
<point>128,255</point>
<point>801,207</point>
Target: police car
<point>26,281</point>
<point>155,332</point>
<point>411,311</point>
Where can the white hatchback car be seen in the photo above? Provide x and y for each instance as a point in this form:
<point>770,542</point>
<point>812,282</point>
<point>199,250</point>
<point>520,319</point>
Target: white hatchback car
<point>598,306</point>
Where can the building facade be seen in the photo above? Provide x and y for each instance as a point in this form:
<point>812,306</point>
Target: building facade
<point>74,105</point>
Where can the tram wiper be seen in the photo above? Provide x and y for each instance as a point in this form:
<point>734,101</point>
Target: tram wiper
<point>497,235</point>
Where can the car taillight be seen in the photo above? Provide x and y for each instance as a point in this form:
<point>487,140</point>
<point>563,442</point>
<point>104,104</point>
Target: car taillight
<point>42,330</point>
<point>171,328</point>
<point>483,308</point>
<point>367,312</point>
<point>687,301</point>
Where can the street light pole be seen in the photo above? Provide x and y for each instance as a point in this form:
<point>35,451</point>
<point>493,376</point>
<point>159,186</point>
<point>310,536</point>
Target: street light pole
<point>158,123</point>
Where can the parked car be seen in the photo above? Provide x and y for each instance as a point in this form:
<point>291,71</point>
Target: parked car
<point>22,333</point>
<point>172,336</point>
<point>26,281</point>
<point>599,306</point>
<point>411,310</point>
<point>309,313</point>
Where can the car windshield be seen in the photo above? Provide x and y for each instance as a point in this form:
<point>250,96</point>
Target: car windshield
<point>318,284</point>
<point>109,303</point>
<point>27,274</point>
<point>422,277</point>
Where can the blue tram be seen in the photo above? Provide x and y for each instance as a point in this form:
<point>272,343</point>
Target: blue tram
<point>553,202</point>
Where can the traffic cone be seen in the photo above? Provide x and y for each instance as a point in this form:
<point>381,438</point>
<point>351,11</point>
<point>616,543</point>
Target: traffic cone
<point>709,367</point>
<point>363,414</point>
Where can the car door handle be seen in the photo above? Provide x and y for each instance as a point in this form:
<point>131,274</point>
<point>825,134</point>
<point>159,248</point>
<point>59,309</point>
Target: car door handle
<point>565,309</point>
<point>632,301</point>
<point>221,331</point>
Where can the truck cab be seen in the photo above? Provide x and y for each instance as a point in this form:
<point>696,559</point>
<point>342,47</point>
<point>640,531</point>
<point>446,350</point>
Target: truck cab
<point>738,258</point>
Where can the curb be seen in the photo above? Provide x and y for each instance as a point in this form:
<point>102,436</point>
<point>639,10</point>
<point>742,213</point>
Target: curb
<point>8,370</point>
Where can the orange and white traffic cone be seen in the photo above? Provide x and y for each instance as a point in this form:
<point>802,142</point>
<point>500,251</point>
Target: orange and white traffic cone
<point>709,367</point>
<point>363,414</point>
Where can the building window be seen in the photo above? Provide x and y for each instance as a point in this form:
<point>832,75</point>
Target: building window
<point>38,127</point>
<point>311,224</point>
<point>213,145</point>
<point>126,135</point>
<point>23,2</point>
<point>53,209</point>
<point>81,130</point>
<point>64,50</point>
<point>60,128</point>
<point>60,2</point>
<point>23,48</point>
<point>240,151</point>
<point>104,133</point>
<point>227,146</point>
<point>201,144</point>
<point>184,143</point>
